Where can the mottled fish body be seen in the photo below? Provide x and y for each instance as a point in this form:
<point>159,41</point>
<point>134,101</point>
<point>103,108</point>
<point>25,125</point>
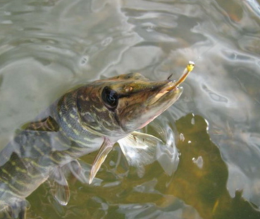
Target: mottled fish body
<point>94,116</point>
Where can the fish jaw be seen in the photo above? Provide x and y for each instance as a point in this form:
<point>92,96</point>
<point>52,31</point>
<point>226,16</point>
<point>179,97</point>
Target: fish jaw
<point>152,101</point>
<point>150,105</point>
<point>161,105</point>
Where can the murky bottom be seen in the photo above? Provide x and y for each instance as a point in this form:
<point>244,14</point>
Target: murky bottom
<point>48,47</point>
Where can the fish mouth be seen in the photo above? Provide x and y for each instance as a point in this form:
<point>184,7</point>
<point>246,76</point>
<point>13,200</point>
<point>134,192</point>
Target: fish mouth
<point>172,87</point>
<point>165,92</point>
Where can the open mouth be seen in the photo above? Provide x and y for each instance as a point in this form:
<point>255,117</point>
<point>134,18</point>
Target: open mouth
<point>172,85</point>
<point>166,89</point>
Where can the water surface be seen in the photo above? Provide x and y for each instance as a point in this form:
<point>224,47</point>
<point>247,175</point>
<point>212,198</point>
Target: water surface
<point>47,47</point>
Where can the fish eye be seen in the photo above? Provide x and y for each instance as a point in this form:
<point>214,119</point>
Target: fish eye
<point>110,98</point>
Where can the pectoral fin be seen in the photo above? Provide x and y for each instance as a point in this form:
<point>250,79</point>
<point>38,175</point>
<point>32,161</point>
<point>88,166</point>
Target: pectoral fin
<point>142,149</point>
<point>100,158</point>
<point>78,170</point>
<point>59,186</point>
<point>48,124</point>
<point>139,149</point>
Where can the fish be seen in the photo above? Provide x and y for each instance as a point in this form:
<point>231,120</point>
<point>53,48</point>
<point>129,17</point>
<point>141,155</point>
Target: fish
<point>88,118</point>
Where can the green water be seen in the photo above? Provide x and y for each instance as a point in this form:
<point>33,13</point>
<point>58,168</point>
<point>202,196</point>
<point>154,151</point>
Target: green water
<point>47,47</point>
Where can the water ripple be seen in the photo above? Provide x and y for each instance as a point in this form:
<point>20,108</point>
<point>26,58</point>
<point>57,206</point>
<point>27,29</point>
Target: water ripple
<point>49,46</point>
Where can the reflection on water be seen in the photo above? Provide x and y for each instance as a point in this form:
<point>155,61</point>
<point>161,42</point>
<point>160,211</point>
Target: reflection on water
<point>47,47</point>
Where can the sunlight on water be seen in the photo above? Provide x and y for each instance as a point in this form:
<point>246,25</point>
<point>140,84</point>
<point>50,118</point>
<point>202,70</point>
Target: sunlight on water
<point>210,165</point>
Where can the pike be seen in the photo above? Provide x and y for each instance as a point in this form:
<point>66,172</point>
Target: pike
<point>89,118</point>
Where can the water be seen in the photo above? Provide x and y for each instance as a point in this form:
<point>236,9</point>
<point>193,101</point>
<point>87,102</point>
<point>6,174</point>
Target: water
<point>47,47</point>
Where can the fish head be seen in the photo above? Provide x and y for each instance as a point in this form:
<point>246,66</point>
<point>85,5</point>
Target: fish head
<point>141,101</point>
<point>116,106</point>
<point>126,103</point>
